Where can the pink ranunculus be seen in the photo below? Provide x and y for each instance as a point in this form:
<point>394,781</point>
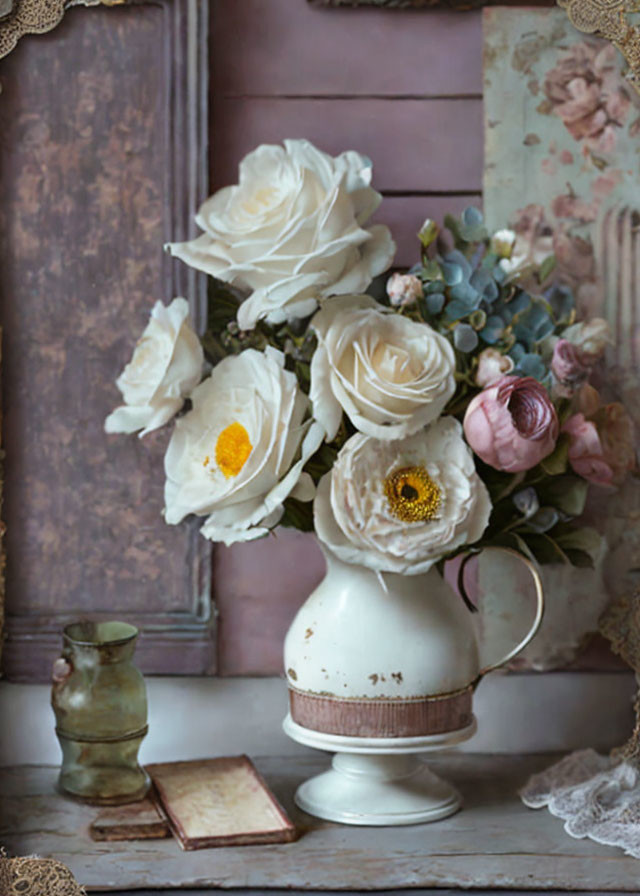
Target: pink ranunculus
<point>512,425</point>
<point>586,453</point>
<point>568,368</point>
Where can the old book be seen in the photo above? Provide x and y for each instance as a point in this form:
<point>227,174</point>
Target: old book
<point>133,821</point>
<point>219,802</point>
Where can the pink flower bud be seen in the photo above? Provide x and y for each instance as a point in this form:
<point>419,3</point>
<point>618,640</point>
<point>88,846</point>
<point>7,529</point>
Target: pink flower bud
<point>404,289</point>
<point>512,425</point>
<point>568,368</point>
<point>586,454</point>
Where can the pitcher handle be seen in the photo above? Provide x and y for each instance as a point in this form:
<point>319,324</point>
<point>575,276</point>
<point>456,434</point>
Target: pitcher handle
<point>537,619</point>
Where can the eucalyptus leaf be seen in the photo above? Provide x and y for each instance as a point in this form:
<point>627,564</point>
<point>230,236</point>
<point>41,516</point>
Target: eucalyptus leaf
<point>434,302</point>
<point>532,365</point>
<point>452,273</point>
<point>465,338</point>
<point>456,310</point>
<point>493,330</point>
<point>472,227</point>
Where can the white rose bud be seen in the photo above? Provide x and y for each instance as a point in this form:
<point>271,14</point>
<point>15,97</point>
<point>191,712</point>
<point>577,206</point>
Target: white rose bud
<point>165,367</point>
<point>404,289</point>
<point>389,374</point>
<point>590,338</point>
<point>492,365</point>
<point>292,230</point>
<point>502,243</point>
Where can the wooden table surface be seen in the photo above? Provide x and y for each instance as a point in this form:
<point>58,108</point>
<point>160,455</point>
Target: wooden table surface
<point>494,842</point>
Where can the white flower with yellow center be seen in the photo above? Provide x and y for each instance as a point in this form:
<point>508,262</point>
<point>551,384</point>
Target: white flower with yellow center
<point>401,506</point>
<point>292,230</point>
<point>165,367</point>
<point>239,453</point>
<point>391,375</point>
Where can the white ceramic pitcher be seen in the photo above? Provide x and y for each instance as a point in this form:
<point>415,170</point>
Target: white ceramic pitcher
<point>379,667</point>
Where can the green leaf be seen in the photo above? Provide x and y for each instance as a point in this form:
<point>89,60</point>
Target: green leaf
<point>585,539</point>
<point>322,461</point>
<point>545,549</point>
<point>547,266</point>
<point>431,271</point>
<point>580,559</point>
<point>557,462</point>
<point>568,494</point>
<point>428,233</point>
<point>298,515</point>
<point>510,540</point>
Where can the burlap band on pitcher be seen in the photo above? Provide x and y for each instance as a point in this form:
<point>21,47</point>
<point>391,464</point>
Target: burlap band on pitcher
<point>380,717</point>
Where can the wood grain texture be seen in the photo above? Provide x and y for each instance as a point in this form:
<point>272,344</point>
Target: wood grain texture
<point>87,197</point>
<point>494,842</point>
<point>259,588</point>
<point>220,802</point>
<point>339,54</point>
<point>415,145</point>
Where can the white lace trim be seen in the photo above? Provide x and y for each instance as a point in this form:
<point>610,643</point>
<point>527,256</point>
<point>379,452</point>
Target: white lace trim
<point>596,796</point>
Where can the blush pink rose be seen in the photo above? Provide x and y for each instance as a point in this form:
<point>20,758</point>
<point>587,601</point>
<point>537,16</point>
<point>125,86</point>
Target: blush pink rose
<point>586,454</point>
<point>568,367</point>
<point>512,425</point>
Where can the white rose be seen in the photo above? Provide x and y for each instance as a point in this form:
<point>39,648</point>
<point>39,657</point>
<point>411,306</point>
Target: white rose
<point>388,373</point>
<point>239,453</point>
<point>291,230</point>
<point>401,506</point>
<point>165,367</point>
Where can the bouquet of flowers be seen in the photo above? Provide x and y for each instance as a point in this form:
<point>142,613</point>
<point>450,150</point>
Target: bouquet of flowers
<point>450,411</point>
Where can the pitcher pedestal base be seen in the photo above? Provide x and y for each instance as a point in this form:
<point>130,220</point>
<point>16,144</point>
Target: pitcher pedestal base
<point>377,781</point>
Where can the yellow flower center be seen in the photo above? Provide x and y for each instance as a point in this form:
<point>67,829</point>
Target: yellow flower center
<point>412,494</point>
<point>233,448</point>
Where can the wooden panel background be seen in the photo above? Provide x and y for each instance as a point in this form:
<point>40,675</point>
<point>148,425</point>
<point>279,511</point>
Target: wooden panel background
<point>102,161</point>
<point>404,88</point>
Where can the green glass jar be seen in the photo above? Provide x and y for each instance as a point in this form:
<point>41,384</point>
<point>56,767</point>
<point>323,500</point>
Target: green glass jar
<point>100,704</point>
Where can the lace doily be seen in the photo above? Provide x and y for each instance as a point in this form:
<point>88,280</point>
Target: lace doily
<point>596,796</point>
<point>34,877</point>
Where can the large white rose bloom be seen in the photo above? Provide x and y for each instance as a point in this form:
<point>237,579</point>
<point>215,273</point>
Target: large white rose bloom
<point>239,453</point>
<point>165,367</point>
<point>391,375</point>
<point>401,506</point>
<point>291,230</point>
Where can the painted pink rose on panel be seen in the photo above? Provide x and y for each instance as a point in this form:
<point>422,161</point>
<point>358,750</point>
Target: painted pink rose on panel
<point>587,93</point>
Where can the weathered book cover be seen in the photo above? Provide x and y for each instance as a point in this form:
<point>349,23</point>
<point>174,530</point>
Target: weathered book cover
<point>133,821</point>
<point>219,802</point>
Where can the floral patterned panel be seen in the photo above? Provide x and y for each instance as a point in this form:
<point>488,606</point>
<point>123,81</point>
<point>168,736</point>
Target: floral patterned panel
<point>562,164</point>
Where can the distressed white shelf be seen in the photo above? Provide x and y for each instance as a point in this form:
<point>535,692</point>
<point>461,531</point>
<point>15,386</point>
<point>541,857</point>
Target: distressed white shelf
<point>494,842</point>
